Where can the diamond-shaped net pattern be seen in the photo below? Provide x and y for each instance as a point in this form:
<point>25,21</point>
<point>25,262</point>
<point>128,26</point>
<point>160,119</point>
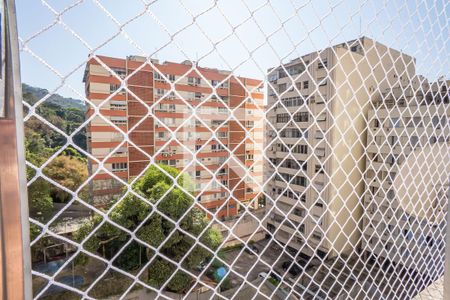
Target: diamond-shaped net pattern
<point>321,173</point>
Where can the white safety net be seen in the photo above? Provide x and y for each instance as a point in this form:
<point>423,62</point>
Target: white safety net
<point>236,149</point>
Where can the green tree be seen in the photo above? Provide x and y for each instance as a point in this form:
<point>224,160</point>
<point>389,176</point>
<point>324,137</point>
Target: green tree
<point>40,200</point>
<point>175,204</point>
<point>69,171</point>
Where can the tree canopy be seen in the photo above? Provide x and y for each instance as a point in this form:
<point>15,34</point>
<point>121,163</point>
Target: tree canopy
<point>172,204</point>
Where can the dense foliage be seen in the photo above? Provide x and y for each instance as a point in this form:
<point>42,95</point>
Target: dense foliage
<point>69,168</point>
<point>158,229</point>
<point>155,227</point>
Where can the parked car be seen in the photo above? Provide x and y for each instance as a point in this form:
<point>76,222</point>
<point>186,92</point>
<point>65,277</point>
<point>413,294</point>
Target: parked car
<point>251,249</point>
<point>275,276</point>
<point>263,275</point>
<point>286,264</point>
<point>295,270</point>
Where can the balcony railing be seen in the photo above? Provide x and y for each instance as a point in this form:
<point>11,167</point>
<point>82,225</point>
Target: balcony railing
<point>342,207</point>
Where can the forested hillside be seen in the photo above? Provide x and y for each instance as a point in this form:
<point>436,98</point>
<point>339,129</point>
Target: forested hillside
<point>66,114</point>
<point>69,168</point>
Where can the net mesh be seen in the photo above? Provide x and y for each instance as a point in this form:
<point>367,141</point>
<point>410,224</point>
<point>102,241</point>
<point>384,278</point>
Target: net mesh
<point>322,173</point>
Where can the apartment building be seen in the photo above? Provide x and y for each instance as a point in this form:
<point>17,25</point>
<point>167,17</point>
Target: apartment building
<point>317,109</point>
<point>407,188</point>
<point>203,121</point>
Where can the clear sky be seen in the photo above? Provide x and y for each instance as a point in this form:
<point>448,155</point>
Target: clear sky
<point>263,33</point>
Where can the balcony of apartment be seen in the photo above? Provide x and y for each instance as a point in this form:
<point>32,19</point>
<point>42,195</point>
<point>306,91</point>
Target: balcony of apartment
<point>283,224</point>
<point>296,188</point>
<point>301,156</point>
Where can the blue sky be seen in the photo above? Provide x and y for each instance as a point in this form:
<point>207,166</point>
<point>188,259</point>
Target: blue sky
<point>293,28</point>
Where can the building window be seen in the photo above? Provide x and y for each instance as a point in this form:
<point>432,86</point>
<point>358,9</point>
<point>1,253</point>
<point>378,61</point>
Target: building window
<point>390,194</point>
<point>299,212</point>
<point>395,123</point>
<point>417,121</point>
<point>414,141</point>
<point>376,123</point>
<point>319,135</point>
<point>301,181</point>
<point>283,118</point>
<point>319,169</point>
<point>302,228</point>
<point>301,117</point>
<point>157,77</point>
<point>387,246</point>
<point>305,84</point>
<point>293,133</point>
<point>390,227</point>
<point>119,167</point>
<point>115,87</point>
<point>120,72</point>
<point>317,236</point>
<point>322,64</point>
<point>222,134</point>
<point>160,92</point>
<point>322,117</point>
<point>392,140</point>
<point>322,81</point>
<point>194,80</point>
<point>408,234</point>
<point>118,105</point>
<point>171,77</point>
<point>222,110</point>
<point>215,123</point>
<point>301,149</point>
<point>119,121</point>
<point>282,87</point>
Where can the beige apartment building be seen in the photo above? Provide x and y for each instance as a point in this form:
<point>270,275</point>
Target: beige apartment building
<point>315,140</point>
<point>406,174</point>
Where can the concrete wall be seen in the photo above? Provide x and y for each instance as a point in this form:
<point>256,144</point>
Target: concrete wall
<point>358,80</point>
<point>244,229</point>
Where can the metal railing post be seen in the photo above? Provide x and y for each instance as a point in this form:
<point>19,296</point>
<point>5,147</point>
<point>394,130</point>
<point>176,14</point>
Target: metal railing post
<point>15,264</point>
<point>447,254</point>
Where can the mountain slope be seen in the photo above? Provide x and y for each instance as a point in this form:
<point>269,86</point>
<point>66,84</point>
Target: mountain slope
<point>33,94</point>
